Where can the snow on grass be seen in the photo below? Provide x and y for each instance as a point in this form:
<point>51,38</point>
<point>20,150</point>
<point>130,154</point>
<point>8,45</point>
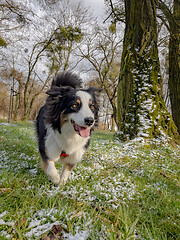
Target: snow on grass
<point>41,222</point>
<point>5,223</point>
<point>14,161</point>
<point>78,236</point>
<point>111,174</point>
<point>44,220</point>
<point>21,150</point>
<point>107,190</point>
<point>2,222</point>
<point>8,124</point>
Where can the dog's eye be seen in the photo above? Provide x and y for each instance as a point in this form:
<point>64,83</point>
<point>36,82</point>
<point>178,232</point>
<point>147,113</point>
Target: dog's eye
<point>74,105</point>
<point>92,107</point>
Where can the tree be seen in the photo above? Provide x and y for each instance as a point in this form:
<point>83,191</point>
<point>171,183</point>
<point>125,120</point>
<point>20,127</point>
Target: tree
<point>101,49</point>
<point>42,48</point>
<point>57,48</point>
<point>30,95</point>
<point>13,80</point>
<point>13,15</point>
<point>4,100</point>
<point>141,107</point>
<point>174,64</point>
<point>172,22</point>
<point>60,50</point>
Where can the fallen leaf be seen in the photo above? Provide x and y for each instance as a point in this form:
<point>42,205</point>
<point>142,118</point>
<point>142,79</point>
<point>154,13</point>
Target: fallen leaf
<point>54,234</point>
<point>56,229</point>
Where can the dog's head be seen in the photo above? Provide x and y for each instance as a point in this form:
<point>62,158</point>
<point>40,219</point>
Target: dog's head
<point>77,109</point>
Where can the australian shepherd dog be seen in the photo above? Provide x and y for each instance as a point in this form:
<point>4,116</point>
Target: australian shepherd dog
<point>64,125</point>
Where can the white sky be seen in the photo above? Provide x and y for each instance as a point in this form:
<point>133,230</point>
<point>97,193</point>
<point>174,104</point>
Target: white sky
<point>98,8</point>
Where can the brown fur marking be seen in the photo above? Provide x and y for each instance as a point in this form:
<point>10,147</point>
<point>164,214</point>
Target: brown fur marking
<point>78,101</point>
<point>69,167</point>
<point>63,119</point>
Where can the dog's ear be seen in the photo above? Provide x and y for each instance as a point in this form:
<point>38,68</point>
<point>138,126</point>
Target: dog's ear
<point>58,91</point>
<point>93,89</point>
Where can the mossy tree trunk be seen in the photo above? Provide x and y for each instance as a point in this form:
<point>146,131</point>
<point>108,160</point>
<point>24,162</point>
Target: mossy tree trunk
<point>174,63</point>
<point>141,108</point>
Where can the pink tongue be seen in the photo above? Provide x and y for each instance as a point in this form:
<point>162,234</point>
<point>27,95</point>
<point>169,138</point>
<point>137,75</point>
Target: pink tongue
<point>84,132</point>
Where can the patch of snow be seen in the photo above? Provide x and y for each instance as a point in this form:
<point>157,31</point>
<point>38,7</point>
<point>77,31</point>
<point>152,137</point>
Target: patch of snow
<point>3,214</point>
<point>78,236</point>
<point>40,229</point>
<point>38,223</point>
<point>6,235</point>
<point>2,222</point>
<point>8,124</point>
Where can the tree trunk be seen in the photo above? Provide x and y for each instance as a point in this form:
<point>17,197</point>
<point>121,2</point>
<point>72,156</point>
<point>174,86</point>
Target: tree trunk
<point>112,123</point>
<point>174,64</point>
<point>141,108</point>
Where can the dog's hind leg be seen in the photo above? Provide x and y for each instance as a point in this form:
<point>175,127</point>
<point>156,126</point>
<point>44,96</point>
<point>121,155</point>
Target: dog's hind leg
<point>50,169</point>
<point>67,168</point>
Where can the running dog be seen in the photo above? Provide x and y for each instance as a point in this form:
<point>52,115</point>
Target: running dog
<point>64,125</point>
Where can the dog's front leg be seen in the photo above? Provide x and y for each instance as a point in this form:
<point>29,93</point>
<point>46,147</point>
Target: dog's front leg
<point>67,169</point>
<point>52,172</point>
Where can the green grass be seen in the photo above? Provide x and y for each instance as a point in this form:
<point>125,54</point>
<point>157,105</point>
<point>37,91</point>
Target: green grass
<point>119,191</point>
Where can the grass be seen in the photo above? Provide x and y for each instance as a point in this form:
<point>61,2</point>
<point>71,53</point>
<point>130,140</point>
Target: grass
<point>119,191</point>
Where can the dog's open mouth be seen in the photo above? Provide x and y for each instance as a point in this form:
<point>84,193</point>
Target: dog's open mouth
<point>82,131</point>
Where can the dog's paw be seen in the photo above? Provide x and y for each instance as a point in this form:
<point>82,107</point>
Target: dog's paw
<point>53,173</point>
<point>62,182</point>
<point>55,178</point>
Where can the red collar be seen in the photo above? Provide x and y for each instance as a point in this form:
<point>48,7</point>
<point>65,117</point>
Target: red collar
<point>63,154</point>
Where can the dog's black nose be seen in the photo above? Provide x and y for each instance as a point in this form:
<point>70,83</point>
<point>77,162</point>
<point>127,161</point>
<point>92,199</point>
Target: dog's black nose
<point>89,121</point>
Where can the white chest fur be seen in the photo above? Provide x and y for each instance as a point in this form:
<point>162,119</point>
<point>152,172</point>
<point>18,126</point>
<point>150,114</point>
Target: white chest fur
<point>68,141</point>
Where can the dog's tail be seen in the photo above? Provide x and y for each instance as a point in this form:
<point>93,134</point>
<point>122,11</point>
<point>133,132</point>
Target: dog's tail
<point>67,79</point>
